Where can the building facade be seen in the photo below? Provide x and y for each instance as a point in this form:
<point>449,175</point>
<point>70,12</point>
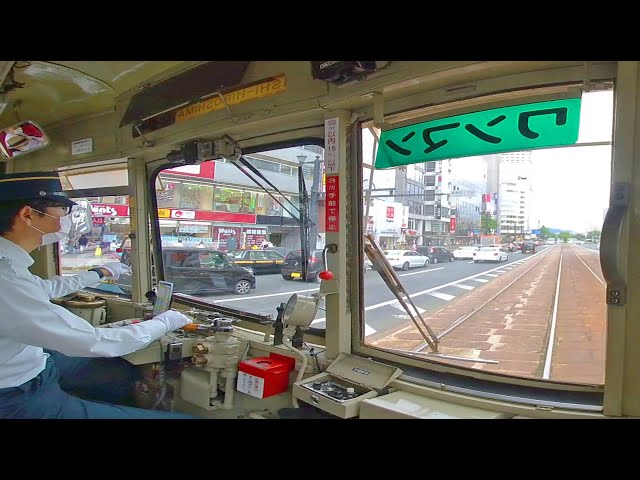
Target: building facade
<point>515,194</point>
<point>215,205</point>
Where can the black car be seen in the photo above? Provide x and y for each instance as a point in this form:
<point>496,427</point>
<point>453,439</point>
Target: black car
<point>436,254</point>
<point>259,261</point>
<point>292,266</point>
<point>528,247</point>
<point>200,271</point>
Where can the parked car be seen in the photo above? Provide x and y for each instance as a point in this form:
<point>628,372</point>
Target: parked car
<point>259,261</point>
<point>508,247</point>
<point>200,271</point>
<point>465,252</point>
<point>292,265</point>
<point>528,247</point>
<point>490,254</point>
<point>436,254</point>
<point>405,259</point>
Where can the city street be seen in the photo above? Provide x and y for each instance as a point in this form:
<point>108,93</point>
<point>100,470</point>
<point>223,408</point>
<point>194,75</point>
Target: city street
<point>429,288</point>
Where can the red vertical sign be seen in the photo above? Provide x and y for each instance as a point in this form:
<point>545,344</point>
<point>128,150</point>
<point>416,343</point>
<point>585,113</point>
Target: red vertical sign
<point>390,212</point>
<point>332,203</point>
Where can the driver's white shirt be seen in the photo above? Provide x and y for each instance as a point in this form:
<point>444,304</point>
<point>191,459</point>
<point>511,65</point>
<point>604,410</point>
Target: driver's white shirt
<point>29,322</point>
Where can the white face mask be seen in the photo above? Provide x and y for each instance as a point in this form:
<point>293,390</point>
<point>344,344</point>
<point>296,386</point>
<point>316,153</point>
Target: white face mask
<point>65,227</point>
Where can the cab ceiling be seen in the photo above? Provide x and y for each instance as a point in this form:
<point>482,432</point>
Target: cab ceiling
<point>51,92</point>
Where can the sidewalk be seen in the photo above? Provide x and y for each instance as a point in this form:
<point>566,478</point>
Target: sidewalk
<point>86,260</point>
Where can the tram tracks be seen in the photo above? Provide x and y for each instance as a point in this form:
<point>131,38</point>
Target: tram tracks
<point>546,322</point>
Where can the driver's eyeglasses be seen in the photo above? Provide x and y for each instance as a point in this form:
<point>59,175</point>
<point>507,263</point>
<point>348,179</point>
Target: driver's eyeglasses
<point>65,208</point>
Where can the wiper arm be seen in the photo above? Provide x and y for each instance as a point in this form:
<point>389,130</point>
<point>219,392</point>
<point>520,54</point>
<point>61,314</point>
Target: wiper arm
<point>245,167</point>
<point>304,222</point>
<point>246,164</point>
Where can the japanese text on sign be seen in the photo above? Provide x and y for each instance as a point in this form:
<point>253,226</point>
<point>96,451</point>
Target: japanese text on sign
<point>332,208</point>
<point>520,127</point>
<point>265,88</point>
<point>331,144</point>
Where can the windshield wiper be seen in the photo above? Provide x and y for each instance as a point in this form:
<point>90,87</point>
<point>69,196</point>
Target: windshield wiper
<point>302,210</point>
<point>253,169</point>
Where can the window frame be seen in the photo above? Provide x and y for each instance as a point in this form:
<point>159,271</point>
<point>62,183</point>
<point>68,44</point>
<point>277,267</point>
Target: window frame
<point>422,370</point>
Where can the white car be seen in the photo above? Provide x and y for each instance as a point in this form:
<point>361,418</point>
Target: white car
<point>464,252</point>
<point>405,259</point>
<point>490,254</point>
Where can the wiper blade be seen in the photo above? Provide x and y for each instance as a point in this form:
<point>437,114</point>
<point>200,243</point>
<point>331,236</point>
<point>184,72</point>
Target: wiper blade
<point>253,169</point>
<point>302,210</point>
<point>304,222</point>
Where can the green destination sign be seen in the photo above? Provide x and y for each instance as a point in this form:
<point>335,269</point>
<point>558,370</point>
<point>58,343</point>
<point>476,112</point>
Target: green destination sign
<point>507,129</point>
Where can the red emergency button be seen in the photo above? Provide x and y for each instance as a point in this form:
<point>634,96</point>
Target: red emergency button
<point>326,275</point>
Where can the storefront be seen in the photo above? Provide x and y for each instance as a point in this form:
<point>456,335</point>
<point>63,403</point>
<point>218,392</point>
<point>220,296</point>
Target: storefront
<point>182,227</point>
<point>110,226</point>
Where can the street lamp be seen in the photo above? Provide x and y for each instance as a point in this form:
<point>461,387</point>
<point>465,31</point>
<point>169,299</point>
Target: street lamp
<point>313,201</point>
<point>313,208</point>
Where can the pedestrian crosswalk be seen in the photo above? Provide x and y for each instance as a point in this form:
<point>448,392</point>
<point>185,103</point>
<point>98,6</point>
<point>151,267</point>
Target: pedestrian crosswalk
<point>378,314</point>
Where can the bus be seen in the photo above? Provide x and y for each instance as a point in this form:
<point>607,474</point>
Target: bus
<point>349,159</point>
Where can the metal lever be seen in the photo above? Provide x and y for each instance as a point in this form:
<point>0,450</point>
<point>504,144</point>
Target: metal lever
<point>333,248</point>
<point>609,244</point>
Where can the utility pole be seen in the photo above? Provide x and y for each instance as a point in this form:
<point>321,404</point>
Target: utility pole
<point>313,207</point>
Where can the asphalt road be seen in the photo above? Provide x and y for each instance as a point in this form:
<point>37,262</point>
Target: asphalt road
<point>429,288</point>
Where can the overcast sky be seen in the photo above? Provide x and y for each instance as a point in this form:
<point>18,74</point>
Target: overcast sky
<point>571,185</point>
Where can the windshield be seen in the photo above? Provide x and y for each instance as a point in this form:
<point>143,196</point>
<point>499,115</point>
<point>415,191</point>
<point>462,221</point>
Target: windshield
<point>215,205</point>
<point>527,312</point>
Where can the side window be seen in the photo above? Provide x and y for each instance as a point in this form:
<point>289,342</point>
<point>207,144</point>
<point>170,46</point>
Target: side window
<point>260,255</point>
<point>175,259</point>
<point>273,255</point>
<point>213,260</point>
<point>192,260</point>
<point>99,227</point>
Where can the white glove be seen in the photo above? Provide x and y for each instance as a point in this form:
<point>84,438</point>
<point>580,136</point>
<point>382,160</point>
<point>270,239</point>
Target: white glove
<point>116,269</point>
<point>173,320</point>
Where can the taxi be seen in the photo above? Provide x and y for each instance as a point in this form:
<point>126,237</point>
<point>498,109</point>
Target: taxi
<point>258,261</point>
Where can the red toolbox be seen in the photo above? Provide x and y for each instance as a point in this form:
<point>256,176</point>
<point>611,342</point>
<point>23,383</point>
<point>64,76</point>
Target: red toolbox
<point>262,377</point>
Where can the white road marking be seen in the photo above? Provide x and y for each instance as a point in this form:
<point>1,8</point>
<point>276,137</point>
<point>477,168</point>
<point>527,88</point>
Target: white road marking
<point>400,307</point>
<point>443,296</point>
<point>464,287</point>
<point>244,297</point>
<point>368,330</point>
<point>422,271</point>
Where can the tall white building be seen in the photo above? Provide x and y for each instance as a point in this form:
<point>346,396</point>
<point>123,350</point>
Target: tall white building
<point>514,193</point>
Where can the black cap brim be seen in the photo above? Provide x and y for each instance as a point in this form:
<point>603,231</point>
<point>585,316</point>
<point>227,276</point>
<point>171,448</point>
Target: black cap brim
<point>60,199</point>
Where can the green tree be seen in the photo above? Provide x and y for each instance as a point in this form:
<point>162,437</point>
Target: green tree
<point>545,232</point>
<point>579,236</point>
<point>564,236</point>
<point>488,224</point>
